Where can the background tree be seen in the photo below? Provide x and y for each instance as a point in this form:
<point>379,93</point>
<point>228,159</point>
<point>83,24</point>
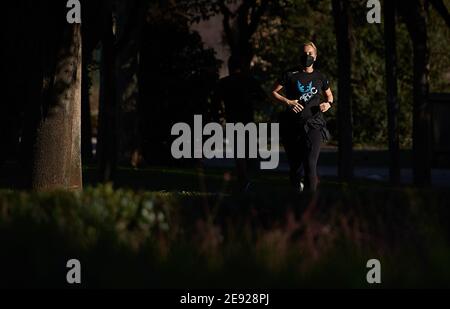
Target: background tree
<point>177,75</point>
<point>241,20</point>
<point>130,19</point>
<point>91,29</point>
<point>119,136</point>
<point>441,8</point>
<point>56,132</point>
<point>341,11</point>
<point>416,21</point>
<point>239,27</point>
<point>107,122</point>
<point>392,89</point>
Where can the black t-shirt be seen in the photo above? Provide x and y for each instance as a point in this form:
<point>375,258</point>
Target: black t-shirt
<point>307,88</point>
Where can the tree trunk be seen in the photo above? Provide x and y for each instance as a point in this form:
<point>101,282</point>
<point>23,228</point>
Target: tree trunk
<point>240,26</point>
<point>416,20</point>
<point>391,89</point>
<point>56,162</point>
<point>86,124</point>
<point>341,12</point>
<point>130,21</point>
<point>107,150</point>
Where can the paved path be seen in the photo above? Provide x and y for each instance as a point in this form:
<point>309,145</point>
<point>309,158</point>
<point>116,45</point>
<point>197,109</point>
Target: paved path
<point>440,177</point>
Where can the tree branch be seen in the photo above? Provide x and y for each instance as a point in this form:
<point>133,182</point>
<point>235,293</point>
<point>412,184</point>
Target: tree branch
<point>224,8</point>
<point>243,14</point>
<point>227,15</point>
<point>442,10</point>
<point>257,14</point>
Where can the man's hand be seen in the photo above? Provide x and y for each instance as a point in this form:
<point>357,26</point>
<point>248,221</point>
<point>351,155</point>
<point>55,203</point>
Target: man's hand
<point>324,107</point>
<point>295,106</point>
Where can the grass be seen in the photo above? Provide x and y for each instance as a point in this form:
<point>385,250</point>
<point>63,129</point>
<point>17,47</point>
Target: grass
<point>166,230</point>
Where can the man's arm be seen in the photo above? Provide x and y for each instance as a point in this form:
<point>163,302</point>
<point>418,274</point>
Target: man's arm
<point>324,107</point>
<point>293,104</point>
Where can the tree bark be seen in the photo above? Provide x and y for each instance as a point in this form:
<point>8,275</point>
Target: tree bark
<point>341,11</point>
<point>56,162</point>
<point>392,89</point>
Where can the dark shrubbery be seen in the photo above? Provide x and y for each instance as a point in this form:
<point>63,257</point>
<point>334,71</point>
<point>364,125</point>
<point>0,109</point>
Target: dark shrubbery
<point>129,239</point>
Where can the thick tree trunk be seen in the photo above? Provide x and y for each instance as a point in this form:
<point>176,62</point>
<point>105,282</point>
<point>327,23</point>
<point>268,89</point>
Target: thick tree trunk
<point>56,162</point>
<point>416,20</point>
<point>391,89</point>
<point>341,11</point>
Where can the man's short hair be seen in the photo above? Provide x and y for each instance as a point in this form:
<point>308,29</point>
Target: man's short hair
<point>309,43</point>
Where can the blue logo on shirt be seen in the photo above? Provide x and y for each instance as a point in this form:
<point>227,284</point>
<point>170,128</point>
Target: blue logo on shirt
<point>302,87</point>
<point>308,92</point>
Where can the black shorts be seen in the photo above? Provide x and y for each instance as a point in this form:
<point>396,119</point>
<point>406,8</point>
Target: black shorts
<point>293,127</point>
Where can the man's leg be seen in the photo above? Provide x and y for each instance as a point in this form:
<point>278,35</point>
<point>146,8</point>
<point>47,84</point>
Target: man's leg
<point>314,143</point>
<point>290,133</point>
<point>295,159</point>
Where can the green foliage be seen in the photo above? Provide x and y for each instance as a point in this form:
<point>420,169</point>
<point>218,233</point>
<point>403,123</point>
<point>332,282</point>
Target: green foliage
<point>439,36</point>
<point>85,217</point>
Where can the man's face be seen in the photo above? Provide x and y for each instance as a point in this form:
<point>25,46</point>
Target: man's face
<point>308,57</point>
<point>309,50</point>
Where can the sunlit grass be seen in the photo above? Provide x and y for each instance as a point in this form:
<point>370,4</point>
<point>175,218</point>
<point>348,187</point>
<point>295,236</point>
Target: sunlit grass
<point>188,238</point>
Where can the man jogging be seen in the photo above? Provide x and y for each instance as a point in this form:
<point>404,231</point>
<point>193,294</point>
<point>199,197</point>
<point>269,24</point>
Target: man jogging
<point>302,124</point>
